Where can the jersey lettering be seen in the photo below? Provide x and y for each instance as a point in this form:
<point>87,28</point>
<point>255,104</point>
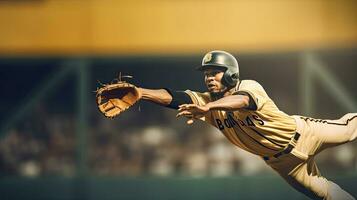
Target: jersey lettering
<point>219,124</point>
<point>241,122</point>
<point>230,122</point>
<point>227,123</point>
<point>260,121</point>
<point>249,121</point>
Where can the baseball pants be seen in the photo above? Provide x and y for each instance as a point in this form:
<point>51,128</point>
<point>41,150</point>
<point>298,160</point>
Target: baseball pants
<point>299,169</point>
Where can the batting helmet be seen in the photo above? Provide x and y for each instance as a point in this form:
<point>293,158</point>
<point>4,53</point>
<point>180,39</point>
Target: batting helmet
<point>224,61</point>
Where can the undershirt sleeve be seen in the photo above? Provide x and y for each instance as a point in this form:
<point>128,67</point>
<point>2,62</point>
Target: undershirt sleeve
<point>178,98</point>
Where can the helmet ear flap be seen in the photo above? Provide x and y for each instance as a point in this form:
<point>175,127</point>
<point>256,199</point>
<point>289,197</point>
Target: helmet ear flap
<point>229,80</point>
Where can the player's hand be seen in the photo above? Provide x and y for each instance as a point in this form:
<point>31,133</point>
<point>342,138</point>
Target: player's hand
<point>192,111</point>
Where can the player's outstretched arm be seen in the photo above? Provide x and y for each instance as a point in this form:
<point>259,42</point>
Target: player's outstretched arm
<point>165,97</point>
<point>159,96</point>
<point>114,98</point>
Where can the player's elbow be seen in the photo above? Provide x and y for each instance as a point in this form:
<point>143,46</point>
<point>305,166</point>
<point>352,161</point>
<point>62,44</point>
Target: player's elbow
<point>244,101</point>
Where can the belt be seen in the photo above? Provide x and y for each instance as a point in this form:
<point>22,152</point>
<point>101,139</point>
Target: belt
<point>287,149</point>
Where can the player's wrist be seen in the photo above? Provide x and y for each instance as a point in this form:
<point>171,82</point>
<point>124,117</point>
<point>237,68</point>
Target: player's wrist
<point>140,92</point>
<point>208,106</point>
<point>144,93</point>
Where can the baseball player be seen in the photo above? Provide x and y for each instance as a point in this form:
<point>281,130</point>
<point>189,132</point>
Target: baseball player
<point>245,114</point>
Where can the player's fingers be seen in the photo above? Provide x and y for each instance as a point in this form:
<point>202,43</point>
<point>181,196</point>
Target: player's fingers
<point>185,106</point>
<point>184,113</point>
<point>184,109</point>
<point>182,105</point>
<point>189,107</point>
<point>190,121</point>
<point>181,108</point>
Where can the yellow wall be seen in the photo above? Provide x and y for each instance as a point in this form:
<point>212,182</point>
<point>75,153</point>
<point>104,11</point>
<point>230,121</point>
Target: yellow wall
<point>174,26</point>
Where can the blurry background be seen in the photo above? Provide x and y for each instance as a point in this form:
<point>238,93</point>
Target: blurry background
<point>54,143</point>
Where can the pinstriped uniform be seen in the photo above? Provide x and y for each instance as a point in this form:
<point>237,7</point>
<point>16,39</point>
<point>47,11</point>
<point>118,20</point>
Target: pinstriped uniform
<point>268,132</point>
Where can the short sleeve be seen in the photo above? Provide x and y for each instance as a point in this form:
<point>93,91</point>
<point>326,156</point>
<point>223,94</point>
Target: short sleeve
<point>198,97</point>
<point>255,91</point>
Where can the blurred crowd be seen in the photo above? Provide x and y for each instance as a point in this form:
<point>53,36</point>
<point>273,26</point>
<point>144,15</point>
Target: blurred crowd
<point>42,144</point>
<point>46,146</point>
<point>197,151</point>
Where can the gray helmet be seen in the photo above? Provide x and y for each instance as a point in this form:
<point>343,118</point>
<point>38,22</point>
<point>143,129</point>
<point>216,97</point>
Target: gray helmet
<point>225,61</point>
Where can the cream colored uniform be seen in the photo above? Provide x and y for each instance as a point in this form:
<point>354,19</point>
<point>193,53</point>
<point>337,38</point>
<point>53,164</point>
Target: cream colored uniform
<point>268,132</point>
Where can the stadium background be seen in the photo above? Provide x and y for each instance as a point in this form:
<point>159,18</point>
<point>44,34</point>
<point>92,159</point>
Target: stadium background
<point>55,144</point>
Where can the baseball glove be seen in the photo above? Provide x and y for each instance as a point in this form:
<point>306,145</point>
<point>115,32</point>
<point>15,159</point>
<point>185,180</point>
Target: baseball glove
<point>115,98</point>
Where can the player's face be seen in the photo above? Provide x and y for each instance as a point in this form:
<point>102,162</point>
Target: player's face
<point>213,79</point>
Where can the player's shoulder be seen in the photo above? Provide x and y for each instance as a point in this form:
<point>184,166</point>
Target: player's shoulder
<point>249,83</point>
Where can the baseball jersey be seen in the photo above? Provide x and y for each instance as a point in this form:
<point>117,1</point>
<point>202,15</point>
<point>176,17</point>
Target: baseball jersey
<point>264,131</point>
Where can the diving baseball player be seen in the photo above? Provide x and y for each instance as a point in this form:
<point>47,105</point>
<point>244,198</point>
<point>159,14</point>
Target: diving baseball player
<point>244,113</point>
